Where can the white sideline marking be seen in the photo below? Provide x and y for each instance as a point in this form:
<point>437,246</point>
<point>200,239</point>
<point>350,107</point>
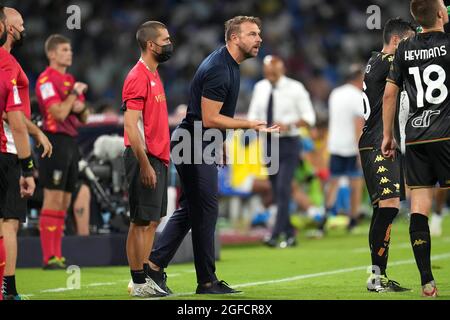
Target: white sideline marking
<point>315,275</point>
<point>99,284</point>
<point>259,283</point>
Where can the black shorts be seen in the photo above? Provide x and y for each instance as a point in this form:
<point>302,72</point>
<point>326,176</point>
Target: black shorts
<point>60,171</point>
<point>12,206</point>
<point>428,164</point>
<point>146,204</point>
<point>384,177</point>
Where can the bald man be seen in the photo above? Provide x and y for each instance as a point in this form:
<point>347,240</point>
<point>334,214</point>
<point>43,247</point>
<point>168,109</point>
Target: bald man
<point>286,103</point>
<point>15,209</point>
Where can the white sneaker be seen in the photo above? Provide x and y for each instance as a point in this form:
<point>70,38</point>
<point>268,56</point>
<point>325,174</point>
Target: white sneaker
<point>144,290</point>
<point>436,225</point>
<point>130,286</point>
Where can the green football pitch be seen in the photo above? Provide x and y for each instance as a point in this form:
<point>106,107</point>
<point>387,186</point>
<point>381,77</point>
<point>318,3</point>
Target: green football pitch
<point>331,268</point>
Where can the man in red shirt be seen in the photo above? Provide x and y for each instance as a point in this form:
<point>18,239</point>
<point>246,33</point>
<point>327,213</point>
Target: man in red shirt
<point>11,107</point>
<point>61,103</point>
<point>147,153</point>
<point>15,207</point>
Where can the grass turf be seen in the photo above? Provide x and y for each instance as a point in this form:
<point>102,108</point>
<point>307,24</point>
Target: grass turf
<point>330,268</point>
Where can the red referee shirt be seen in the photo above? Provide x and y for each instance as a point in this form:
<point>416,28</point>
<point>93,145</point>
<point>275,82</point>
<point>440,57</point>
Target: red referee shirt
<point>53,87</point>
<point>9,101</point>
<point>144,91</point>
<point>19,80</point>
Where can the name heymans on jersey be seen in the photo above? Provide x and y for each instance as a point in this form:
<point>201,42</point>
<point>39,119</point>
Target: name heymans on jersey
<point>424,54</point>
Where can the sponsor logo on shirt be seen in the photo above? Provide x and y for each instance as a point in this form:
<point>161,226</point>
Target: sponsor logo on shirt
<point>160,97</point>
<point>47,90</point>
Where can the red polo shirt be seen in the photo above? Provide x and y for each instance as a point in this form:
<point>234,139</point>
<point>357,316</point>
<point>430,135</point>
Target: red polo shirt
<point>19,81</point>
<point>53,87</point>
<point>144,91</point>
<point>9,101</point>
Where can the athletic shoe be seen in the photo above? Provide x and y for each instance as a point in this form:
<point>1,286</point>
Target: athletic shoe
<point>436,225</point>
<point>384,284</point>
<point>54,263</point>
<point>160,280</point>
<point>62,262</point>
<point>12,297</point>
<point>270,242</point>
<point>130,286</point>
<point>289,242</point>
<point>217,287</point>
<point>430,290</point>
<point>145,290</point>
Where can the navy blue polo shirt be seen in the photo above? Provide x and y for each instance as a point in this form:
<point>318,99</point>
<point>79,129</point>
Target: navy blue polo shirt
<point>217,78</point>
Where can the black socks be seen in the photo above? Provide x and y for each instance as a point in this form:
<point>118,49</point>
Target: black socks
<point>380,236</point>
<point>421,244</point>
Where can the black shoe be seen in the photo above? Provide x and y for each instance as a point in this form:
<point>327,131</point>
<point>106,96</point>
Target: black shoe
<point>289,242</point>
<point>384,284</point>
<point>217,287</point>
<point>271,242</point>
<point>160,279</point>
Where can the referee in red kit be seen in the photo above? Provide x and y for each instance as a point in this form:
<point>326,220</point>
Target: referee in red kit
<point>146,155</point>
<point>61,102</point>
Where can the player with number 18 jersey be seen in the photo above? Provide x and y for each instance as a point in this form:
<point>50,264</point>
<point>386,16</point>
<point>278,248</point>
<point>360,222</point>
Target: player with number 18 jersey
<point>421,64</point>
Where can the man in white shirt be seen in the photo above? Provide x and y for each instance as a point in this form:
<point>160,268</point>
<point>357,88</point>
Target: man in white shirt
<point>286,103</point>
<point>346,120</point>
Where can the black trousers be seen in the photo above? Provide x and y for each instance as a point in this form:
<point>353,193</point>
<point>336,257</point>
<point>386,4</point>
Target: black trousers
<point>281,184</point>
<point>198,211</point>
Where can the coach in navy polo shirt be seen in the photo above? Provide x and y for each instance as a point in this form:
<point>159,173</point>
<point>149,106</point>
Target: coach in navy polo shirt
<point>213,97</point>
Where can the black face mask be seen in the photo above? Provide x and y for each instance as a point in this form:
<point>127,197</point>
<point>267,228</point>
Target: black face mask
<point>4,35</point>
<point>166,53</point>
<point>19,42</point>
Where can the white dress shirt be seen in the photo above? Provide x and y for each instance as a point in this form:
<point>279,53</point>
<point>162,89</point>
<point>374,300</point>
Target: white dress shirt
<point>291,103</point>
<point>345,104</point>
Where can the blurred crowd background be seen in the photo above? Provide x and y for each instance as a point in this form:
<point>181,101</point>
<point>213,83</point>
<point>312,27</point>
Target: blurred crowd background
<point>318,39</point>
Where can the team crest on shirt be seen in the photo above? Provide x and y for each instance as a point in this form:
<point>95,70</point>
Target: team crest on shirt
<point>47,90</point>
<point>57,175</point>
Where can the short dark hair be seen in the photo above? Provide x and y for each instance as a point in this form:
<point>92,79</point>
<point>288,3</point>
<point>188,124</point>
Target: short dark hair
<point>234,25</point>
<point>396,27</point>
<point>425,12</point>
<point>148,31</point>
<point>54,41</point>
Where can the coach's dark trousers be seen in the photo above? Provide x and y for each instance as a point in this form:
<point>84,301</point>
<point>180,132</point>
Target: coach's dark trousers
<point>281,184</point>
<point>198,211</point>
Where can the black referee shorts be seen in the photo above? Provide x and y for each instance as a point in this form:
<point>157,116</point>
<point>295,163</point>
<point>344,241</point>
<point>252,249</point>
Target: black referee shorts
<point>12,206</point>
<point>60,171</point>
<point>428,164</point>
<point>384,177</point>
<point>146,204</point>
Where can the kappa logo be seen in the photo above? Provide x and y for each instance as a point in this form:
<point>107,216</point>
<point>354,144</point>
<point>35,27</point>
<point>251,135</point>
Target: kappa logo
<point>384,180</point>
<point>419,242</point>
<point>397,186</point>
<point>152,83</point>
<point>382,169</point>
<point>379,158</point>
<point>386,191</point>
